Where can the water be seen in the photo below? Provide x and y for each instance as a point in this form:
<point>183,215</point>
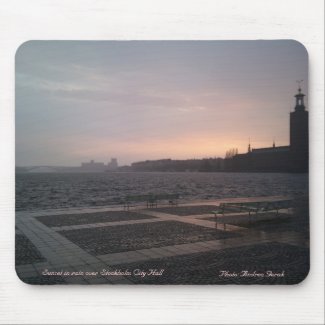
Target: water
<point>63,190</point>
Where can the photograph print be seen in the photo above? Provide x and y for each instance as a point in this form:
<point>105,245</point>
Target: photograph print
<point>162,162</point>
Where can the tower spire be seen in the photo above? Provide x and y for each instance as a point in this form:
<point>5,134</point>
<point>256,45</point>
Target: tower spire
<point>300,106</point>
<point>299,82</point>
<point>249,145</point>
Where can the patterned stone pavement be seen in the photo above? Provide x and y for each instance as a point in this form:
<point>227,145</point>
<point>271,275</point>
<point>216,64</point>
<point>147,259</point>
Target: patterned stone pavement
<point>208,267</point>
<point>122,238</point>
<point>90,218</point>
<point>110,246</point>
<point>26,252</point>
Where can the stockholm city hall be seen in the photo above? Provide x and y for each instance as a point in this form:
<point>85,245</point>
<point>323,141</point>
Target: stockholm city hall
<point>292,158</point>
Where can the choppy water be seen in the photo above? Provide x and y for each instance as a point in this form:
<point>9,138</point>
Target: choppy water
<point>63,190</point>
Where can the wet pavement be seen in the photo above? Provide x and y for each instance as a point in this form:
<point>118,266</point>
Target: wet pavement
<point>90,218</point>
<point>267,260</point>
<point>103,246</point>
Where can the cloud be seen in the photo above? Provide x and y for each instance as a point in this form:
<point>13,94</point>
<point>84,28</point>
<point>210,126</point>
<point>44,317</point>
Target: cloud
<point>151,99</point>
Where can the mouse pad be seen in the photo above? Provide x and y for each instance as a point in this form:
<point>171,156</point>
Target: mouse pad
<point>162,162</point>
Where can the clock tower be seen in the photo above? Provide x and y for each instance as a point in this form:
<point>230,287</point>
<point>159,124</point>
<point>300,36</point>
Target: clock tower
<point>299,148</point>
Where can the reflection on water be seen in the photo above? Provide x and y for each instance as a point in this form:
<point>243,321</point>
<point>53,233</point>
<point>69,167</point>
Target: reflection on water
<point>63,190</point>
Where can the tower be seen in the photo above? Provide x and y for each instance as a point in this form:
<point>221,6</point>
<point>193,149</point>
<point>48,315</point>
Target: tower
<point>299,148</point>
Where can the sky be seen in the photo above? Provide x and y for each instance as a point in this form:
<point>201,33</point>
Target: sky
<point>140,100</point>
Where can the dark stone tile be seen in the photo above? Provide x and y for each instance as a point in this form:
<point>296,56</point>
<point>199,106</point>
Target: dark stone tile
<point>105,240</point>
<point>86,218</point>
<point>204,268</point>
<point>26,252</point>
<point>187,210</point>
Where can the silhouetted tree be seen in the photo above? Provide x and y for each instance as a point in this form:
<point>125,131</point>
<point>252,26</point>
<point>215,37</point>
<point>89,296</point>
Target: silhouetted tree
<point>231,153</point>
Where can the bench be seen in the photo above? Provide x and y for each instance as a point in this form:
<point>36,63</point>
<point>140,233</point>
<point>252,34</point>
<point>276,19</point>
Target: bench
<point>151,200</point>
<point>251,207</point>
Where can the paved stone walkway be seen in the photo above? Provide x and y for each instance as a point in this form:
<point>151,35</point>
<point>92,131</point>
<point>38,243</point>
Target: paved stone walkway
<point>61,254</point>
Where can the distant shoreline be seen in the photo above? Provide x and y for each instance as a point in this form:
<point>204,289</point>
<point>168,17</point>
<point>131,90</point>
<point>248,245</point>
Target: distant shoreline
<point>157,171</point>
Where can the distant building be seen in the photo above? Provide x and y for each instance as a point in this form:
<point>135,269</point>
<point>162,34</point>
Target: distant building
<point>292,158</point>
<point>170,165</point>
<point>112,165</point>
<point>93,166</point>
<point>85,167</point>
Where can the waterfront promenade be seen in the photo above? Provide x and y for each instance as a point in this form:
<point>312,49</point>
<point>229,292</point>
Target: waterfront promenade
<point>164,245</point>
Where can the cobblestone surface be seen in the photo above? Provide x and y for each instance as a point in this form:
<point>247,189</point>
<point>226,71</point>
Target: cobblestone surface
<point>26,252</point>
<point>187,210</point>
<point>204,268</point>
<point>44,280</point>
<point>87,218</point>
<point>105,240</point>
